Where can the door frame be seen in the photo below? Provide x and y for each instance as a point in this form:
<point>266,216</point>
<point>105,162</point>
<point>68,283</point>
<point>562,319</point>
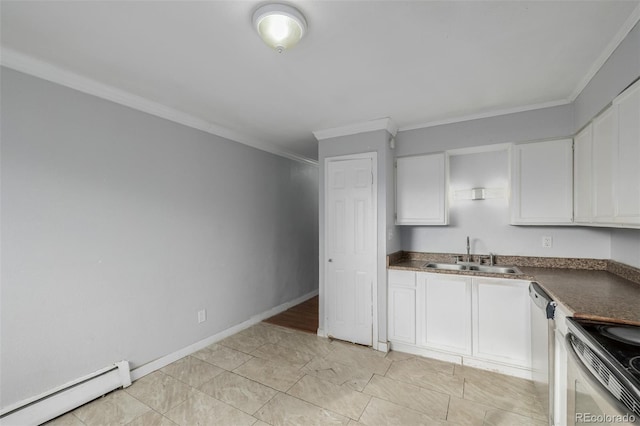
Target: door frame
<point>373,156</point>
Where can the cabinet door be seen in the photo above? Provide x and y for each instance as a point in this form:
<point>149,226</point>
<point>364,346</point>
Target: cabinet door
<point>604,130</point>
<point>444,312</point>
<point>501,321</point>
<point>582,167</point>
<point>542,182</point>
<point>402,306</point>
<point>627,157</point>
<point>421,196</point>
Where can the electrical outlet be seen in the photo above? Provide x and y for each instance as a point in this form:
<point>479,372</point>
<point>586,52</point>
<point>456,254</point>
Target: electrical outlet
<point>547,241</point>
<point>202,316</point>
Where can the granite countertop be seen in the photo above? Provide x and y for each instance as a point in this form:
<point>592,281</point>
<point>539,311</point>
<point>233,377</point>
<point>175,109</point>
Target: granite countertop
<point>589,288</point>
<point>596,295</point>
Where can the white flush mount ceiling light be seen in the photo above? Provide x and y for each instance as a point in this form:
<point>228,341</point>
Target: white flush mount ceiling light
<point>280,26</point>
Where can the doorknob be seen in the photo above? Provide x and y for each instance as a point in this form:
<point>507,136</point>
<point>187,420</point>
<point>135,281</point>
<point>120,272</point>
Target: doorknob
<point>330,260</point>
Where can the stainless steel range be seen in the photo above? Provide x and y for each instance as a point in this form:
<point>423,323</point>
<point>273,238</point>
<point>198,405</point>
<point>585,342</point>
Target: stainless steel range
<point>604,372</point>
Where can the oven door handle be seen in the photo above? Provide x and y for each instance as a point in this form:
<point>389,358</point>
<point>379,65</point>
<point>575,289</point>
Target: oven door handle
<point>594,383</point>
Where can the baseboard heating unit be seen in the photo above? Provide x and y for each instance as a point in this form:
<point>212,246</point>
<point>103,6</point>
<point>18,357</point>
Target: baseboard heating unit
<point>65,398</point>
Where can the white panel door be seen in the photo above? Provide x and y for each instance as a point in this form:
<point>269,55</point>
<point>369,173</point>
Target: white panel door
<point>350,249</point>
<point>627,172</point>
<point>444,310</point>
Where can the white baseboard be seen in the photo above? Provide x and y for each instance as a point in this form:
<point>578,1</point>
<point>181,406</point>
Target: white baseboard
<point>322,333</point>
<point>57,401</point>
<point>383,347</point>
<point>281,308</point>
<point>159,363</point>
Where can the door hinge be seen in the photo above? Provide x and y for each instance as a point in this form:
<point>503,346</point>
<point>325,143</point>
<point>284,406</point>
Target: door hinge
<point>371,178</point>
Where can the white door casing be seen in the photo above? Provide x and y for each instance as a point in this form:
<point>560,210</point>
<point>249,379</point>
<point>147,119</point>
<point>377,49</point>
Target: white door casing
<point>351,247</point>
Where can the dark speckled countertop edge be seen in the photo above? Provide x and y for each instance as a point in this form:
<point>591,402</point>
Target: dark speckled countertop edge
<point>565,279</point>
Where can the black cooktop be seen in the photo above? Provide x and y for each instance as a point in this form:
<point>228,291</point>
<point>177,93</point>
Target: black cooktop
<point>620,341</point>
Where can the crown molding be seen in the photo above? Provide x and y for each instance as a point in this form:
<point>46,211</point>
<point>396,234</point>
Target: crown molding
<point>356,128</point>
<point>26,64</point>
<point>488,114</point>
<point>628,25</point>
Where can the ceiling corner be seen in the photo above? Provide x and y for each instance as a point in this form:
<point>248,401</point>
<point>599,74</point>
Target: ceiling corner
<point>355,128</point>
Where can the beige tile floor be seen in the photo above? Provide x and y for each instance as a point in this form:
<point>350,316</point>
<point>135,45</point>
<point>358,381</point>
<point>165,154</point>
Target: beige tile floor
<point>269,375</point>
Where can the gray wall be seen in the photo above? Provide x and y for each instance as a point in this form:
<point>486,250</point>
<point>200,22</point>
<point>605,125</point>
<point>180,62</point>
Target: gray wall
<point>618,72</point>
<point>377,141</point>
<point>625,246</point>
<point>525,126</point>
<point>117,227</point>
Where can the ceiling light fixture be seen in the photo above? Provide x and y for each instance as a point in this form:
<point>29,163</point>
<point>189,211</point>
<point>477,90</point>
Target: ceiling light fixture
<point>279,25</point>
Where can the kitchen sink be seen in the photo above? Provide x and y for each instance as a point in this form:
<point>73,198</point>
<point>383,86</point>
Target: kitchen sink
<point>447,266</point>
<point>496,269</point>
<point>474,268</point>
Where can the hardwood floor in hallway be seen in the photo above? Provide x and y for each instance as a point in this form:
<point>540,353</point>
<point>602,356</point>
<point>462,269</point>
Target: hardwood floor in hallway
<point>303,317</point>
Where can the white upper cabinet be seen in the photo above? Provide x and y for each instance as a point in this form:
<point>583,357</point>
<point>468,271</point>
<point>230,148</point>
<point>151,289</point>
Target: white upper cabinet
<point>627,157</point>
<point>607,165</point>
<point>421,190</point>
<point>582,168</point>
<point>602,166</point>
<point>542,183</point>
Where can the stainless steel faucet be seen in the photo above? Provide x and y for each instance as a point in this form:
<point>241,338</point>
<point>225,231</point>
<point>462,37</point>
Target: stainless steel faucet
<point>468,250</point>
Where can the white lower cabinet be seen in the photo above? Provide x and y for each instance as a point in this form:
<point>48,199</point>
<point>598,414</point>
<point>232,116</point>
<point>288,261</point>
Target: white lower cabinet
<point>444,312</point>
<point>478,321</point>
<point>402,307</point>
<point>502,321</point>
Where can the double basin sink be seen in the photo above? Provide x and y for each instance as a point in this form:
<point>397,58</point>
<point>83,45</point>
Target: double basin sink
<point>474,268</point>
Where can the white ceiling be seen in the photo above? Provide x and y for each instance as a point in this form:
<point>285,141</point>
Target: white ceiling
<point>417,62</point>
